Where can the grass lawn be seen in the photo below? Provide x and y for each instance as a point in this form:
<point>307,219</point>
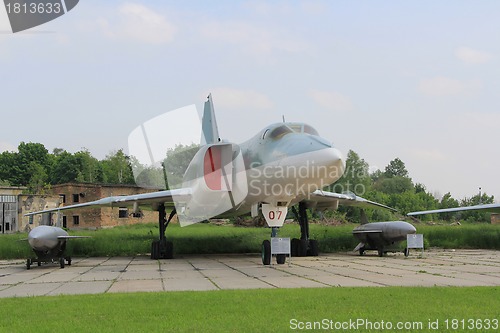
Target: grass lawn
<point>205,238</point>
<point>279,310</point>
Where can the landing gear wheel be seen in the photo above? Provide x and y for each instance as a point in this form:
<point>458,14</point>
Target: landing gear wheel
<point>295,247</point>
<point>406,252</point>
<point>380,252</point>
<point>169,254</point>
<point>39,263</point>
<point>280,259</point>
<point>362,251</point>
<point>266,252</point>
<point>69,261</point>
<point>313,248</point>
<point>303,245</point>
<point>28,263</point>
<point>61,262</point>
<point>155,249</point>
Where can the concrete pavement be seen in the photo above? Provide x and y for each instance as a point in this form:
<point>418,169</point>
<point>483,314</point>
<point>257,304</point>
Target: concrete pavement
<point>212,272</point>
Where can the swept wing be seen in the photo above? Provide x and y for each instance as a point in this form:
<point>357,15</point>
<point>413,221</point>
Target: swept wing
<point>128,200</point>
<point>494,208</point>
<point>322,200</point>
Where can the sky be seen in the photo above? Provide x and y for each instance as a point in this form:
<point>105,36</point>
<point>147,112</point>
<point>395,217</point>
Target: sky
<point>417,80</point>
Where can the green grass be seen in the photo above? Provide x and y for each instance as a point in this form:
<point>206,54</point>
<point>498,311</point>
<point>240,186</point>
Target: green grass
<point>248,310</point>
<point>204,238</point>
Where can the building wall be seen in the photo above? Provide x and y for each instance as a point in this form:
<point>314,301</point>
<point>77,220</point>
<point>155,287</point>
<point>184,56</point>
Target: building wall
<point>495,218</point>
<point>33,203</point>
<point>9,219</point>
<point>11,190</point>
<point>104,217</point>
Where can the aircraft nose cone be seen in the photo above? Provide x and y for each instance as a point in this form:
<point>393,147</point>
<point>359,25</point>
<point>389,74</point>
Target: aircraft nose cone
<point>42,238</point>
<point>409,229</point>
<point>334,161</point>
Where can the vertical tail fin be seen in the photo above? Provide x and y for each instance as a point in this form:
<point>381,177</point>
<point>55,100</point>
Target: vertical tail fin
<point>210,133</point>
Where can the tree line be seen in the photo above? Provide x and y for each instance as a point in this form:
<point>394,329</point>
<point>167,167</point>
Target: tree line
<point>395,188</point>
<point>32,166</point>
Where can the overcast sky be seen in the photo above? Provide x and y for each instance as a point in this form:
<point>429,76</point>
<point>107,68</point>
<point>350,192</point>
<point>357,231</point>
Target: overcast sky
<point>418,80</point>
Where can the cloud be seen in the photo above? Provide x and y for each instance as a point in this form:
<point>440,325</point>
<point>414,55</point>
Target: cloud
<point>331,100</point>
<point>471,56</point>
<point>443,86</point>
<point>485,122</point>
<point>231,98</point>
<point>252,38</point>
<point>429,155</point>
<point>139,23</point>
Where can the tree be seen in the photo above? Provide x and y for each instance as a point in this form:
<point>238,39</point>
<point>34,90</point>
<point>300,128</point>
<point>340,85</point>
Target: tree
<point>116,169</point>
<point>394,185</point>
<point>447,202</point>
<point>8,167</point>
<point>65,168</point>
<point>396,168</point>
<point>20,163</point>
<point>90,170</point>
<point>476,216</point>
<point>38,179</point>
<point>177,161</point>
<point>356,177</point>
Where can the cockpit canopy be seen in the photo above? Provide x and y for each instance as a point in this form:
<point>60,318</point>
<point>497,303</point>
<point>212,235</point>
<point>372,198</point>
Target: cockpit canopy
<point>286,128</point>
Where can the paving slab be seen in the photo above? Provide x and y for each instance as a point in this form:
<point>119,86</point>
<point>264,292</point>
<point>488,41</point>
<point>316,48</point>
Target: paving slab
<point>211,272</point>
<point>127,286</point>
<point>27,290</point>
<point>193,284</point>
<point>77,288</point>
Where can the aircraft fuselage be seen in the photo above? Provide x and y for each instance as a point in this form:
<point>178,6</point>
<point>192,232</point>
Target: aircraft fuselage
<point>281,165</point>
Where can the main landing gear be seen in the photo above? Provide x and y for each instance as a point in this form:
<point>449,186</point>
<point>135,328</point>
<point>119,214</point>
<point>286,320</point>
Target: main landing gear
<point>163,249</point>
<point>304,246</point>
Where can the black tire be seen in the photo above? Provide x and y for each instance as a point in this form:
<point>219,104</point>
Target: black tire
<point>169,254</point>
<point>38,263</point>
<point>280,259</point>
<point>295,247</point>
<point>380,252</point>
<point>69,261</point>
<point>28,263</point>
<point>362,251</point>
<point>266,252</point>
<point>303,245</point>
<point>313,248</point>
<point>155,249</point>
<point>406,252</point>
<point>61,262</point>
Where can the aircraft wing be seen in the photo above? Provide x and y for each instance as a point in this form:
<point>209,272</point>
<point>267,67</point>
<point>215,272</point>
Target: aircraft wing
<point>494,208</point>
<point>324,200</point>
<point>142,199</point>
